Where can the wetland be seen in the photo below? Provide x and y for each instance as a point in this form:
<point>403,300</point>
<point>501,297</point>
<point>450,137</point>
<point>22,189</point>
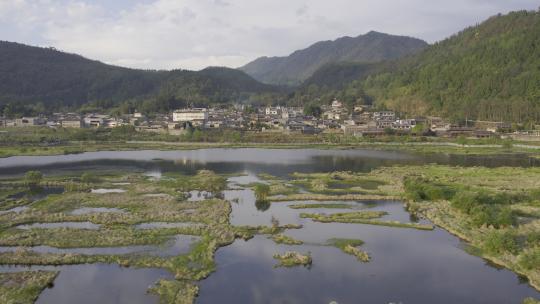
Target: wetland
<point>348,225</point>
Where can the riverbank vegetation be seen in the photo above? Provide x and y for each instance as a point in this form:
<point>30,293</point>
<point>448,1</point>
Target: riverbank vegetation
<point>496,210</point>
<point>47,141</point>
<point>24,287</point>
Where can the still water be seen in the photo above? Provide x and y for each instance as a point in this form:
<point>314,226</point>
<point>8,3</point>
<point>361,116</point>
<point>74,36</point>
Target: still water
<point>408,266</point>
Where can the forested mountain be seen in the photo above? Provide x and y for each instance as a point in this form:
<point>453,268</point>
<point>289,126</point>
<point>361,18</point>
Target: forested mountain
<point>489,72</point>
<point>32,75</point>
<point>300,65</point>
<point>338,75</point>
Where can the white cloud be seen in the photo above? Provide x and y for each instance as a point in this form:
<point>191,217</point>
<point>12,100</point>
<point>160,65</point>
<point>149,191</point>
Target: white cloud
<point>192,34</point>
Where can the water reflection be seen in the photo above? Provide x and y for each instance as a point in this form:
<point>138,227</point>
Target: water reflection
<point>280,162</point>
<point>37,193</point>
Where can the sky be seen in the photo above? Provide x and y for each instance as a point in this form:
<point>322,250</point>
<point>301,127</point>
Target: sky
<point>193,34</point>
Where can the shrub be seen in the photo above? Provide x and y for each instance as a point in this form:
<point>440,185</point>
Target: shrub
<point>499,242</point>
<point>88,178</point>
<point>419,189</point>
<point>533,238</point>
<point>33,178</point>
<point>262,191</point>
<point>530,260</point>
<point>496,216</point>
<point>465,201</point>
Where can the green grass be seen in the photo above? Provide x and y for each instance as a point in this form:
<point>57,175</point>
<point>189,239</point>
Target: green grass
<point>24,287</point>
<point>293,259</point>
<point>344,216</point>
<point>362,217</point>
<point>350,246</point>
<point>287,240</point>
<point>175,291</point>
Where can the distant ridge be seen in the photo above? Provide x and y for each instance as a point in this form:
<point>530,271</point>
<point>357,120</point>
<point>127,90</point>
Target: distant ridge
<point>300,65</point>
<point>30,75</point>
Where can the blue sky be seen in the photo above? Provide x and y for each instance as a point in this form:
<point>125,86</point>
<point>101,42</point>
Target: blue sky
<point>193,34</point>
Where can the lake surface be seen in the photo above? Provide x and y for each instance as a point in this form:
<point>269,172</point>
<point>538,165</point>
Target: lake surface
<point>408,266</point>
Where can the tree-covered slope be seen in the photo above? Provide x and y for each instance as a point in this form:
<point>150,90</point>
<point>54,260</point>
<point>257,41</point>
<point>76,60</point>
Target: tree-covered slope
<point>337,75</point>
<point>300,65</point>
<point>31,75</point>
<point>489,72</point>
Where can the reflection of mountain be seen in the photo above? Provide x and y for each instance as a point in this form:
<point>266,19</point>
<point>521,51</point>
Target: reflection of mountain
<point>279,162</point>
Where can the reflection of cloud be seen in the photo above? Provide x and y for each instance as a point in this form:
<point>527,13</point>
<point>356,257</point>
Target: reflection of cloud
<point>407,265</point>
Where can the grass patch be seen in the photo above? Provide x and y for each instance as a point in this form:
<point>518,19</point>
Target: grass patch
<point>174,291</point>
<point>293,259</point>
<point>362,217</point>
<point>287,240</point>
<point>343,217</point>
<point>350,246</point>
<point>24,287</point>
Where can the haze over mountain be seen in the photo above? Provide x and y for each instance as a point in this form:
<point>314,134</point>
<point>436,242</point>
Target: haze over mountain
<point>300,65</point>
<point>33,74</point>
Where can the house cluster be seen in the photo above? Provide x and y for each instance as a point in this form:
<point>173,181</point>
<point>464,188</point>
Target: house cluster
<point>360,121</point>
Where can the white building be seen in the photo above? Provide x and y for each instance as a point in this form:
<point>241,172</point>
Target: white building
<point>95,120</point>
<point>384,115</point>
<point>29,121</point>
<point>336,104</point>
<point>404,124</point>
<point>195,115</point>
<point>273,111</point>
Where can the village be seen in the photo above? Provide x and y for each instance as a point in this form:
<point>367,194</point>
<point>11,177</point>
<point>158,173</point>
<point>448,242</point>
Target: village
<point>335,118</point>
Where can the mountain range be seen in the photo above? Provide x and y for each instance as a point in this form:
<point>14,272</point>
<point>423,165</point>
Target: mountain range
<point>300,65</point>
<point>490,71</point>
<point>29,75</point>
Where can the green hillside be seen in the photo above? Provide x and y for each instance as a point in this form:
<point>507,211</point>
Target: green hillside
<point>302,64</point>
<point>44,77</point>
<point>488,72</point>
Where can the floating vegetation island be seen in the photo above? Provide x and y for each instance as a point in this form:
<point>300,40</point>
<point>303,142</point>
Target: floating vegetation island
<point>292,259</point>
<point>350,246</point>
